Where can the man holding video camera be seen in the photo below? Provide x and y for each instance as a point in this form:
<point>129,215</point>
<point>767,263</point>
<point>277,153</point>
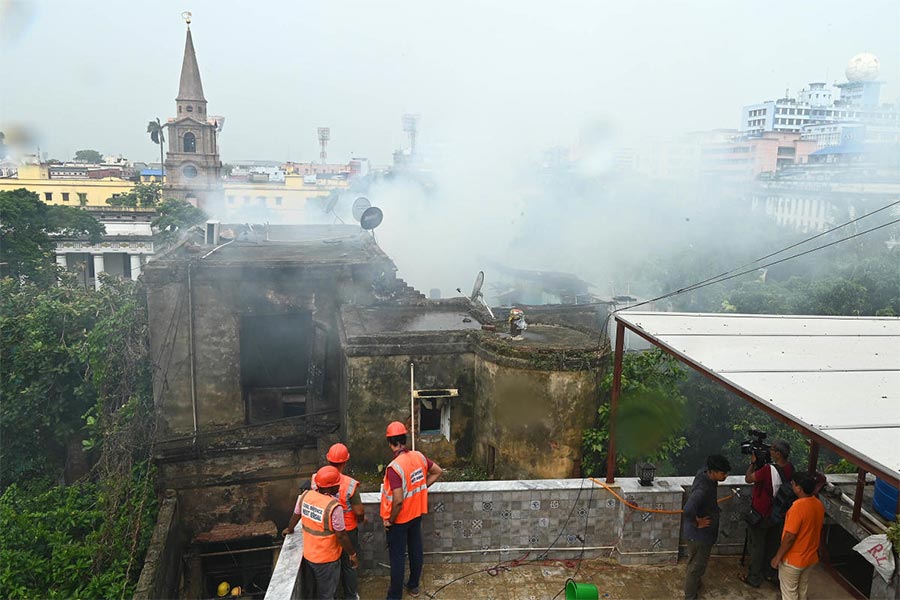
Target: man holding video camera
<point>763,524</point>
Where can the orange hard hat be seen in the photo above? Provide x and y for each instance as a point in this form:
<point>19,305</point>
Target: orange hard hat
<point>396,428</point>
<point>327,477</point>
<point>338,453</point>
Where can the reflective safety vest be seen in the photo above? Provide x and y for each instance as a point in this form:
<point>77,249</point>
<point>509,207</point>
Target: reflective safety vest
<point>412,467</point>
<point>345,492</point>
<point>320,544</point>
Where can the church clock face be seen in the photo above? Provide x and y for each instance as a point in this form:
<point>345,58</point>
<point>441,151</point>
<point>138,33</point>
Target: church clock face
<point>189,171</point>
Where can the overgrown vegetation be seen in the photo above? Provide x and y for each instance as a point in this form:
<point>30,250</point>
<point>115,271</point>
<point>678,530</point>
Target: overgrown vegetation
<point>78,499</point>
<point>650,417</point>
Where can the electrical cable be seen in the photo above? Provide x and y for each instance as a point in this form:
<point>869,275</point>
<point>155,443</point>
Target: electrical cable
<point>720,279</point>
<point>731,273</point>
<point>792,246</point>
<point>495,570</point>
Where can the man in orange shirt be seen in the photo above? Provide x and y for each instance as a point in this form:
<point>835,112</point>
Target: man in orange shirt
<point>799,548</point>
<point>404,499</point>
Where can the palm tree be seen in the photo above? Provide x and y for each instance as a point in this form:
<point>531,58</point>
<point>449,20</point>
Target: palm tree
<point>155,129</point>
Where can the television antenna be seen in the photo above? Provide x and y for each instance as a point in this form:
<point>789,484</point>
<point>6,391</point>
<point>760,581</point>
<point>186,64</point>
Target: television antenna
<point>477,297</point>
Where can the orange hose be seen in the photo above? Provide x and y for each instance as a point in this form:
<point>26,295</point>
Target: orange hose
<point>650,510</point>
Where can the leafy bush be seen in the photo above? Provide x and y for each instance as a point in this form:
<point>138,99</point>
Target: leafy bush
<point>60,542</point>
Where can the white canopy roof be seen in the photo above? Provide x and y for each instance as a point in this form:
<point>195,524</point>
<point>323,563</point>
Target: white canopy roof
<point>835,378</point>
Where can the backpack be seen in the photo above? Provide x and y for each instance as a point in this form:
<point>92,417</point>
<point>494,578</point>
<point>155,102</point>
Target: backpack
<point>782,498</point>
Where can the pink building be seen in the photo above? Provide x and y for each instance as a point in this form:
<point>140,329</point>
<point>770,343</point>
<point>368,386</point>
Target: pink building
<point>746,157</point>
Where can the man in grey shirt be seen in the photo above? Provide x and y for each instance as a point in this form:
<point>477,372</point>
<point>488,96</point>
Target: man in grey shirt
<point>700,520</point>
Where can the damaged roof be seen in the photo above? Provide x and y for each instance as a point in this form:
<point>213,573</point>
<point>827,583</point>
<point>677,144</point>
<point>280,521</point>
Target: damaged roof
<point>272,245</point>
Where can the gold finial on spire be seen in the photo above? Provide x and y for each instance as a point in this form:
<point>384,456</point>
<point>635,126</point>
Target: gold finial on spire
<point>186,15</point>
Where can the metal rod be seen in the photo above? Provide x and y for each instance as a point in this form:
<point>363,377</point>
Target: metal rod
<point>858,497</point>
<point>813,457</point>
<point>557,548</point>
<point>251,426</point>
<point>614,403</point>
<point>190,292</point>
<point>244,551</point>
<point>412,403</point>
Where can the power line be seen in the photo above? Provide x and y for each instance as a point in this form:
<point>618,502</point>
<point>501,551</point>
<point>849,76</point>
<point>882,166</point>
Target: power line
<point>801,242</point>
<point>731,275</point>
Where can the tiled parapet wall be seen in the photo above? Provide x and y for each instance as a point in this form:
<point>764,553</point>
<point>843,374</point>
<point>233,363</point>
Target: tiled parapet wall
<point>490,521</point>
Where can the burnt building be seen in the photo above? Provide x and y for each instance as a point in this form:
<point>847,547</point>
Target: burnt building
<point>272,342</point>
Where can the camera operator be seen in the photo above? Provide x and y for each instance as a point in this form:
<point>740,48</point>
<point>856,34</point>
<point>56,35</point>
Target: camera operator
<point>764,532</point>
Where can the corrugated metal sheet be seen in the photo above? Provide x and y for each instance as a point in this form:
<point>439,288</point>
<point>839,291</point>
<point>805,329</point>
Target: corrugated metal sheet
<point>835,377</point>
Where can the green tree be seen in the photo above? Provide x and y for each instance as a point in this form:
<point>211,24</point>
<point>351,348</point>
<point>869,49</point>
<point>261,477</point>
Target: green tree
<point>717,421</point>
<point>145,195</point>
<point>175,217</point>
<point>650,416</point>
<point>158,136</point>
<point>27,227</point>
<point>89,156</point>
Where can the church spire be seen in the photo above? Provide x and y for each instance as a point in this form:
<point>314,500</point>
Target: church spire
<point>190,89</point>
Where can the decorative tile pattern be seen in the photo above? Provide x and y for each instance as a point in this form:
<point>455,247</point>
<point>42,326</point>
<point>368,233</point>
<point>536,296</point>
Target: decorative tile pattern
<point>554,504</point>
<point>506,514</point>
<point>477,523</point>
<point>535,505</point>
<point>486,506</point>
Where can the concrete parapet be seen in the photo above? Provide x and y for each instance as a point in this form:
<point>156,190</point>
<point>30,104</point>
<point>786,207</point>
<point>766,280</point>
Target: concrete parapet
<point>159,577</point>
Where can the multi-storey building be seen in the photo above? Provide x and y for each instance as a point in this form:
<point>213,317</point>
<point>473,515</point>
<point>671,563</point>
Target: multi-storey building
<point>815,111</point>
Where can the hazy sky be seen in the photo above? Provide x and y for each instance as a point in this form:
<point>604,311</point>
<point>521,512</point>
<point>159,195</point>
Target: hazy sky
<point>504,76</point>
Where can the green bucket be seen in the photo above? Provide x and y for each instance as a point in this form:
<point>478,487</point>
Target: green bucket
<point>581,591</point>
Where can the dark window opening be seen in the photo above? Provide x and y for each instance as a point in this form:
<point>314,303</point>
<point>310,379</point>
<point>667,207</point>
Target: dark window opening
<point>190,142</point>
<point>243,563</point>
<point>48,196</point>
<point>65,196</point>
<point>275,354</point>
<point>429,419</point>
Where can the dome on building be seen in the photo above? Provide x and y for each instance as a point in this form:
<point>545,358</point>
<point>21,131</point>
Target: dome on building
<point>862,67</point>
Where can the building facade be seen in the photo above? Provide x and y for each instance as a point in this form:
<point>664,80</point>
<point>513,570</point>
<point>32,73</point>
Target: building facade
<point>857,103</point>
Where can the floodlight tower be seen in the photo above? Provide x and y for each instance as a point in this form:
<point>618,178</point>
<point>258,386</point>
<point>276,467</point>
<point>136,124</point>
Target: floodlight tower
<point>324,136</point>
<point>410,127</point>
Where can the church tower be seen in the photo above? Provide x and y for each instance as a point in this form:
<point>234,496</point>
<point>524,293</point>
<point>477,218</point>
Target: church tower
<point>192,164</point>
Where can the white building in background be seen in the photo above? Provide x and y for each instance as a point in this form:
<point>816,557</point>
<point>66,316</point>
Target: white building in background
<point>815,111</point>
<point>124,250</point>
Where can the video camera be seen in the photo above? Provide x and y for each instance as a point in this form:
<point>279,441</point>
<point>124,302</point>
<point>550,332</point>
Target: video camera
<point>757,447</point>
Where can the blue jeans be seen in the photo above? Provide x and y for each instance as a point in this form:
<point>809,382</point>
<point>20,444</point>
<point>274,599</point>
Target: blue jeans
<point>401,537</point>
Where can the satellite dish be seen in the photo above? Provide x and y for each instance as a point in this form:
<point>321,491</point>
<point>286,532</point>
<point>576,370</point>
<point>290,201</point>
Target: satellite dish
<point>476,289</point>
<point>359,207</point>
<point>371,218</point>
<point>332,202</point>
<point>477,297</point>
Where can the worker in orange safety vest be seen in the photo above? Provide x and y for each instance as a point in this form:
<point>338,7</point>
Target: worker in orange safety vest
<point>354,515</point>
<point>404,499</point>
<point>324,531</point>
